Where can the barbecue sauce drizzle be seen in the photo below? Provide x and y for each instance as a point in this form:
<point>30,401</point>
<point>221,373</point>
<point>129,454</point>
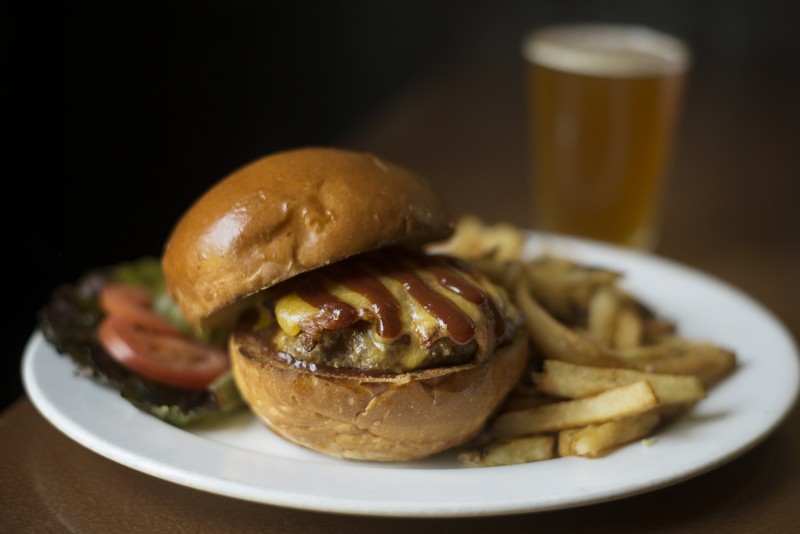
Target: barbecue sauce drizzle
<point>335,313</point>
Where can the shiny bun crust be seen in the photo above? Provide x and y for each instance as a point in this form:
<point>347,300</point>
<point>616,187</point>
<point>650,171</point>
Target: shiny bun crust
<point>288,213</point>
<point>390,418</point>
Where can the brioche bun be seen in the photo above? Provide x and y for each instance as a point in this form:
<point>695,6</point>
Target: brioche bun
<point>288,213</point>
<point>382,418</point>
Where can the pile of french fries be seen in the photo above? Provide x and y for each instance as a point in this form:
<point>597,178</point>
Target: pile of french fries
<point>605,370</point>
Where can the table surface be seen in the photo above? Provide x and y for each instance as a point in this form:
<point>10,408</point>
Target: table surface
<point>730,210</point>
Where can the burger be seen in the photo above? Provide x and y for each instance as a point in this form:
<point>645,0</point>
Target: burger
<point>346,337</point>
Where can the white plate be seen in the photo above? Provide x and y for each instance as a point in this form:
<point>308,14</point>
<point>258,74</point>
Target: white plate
<point>240,458</point>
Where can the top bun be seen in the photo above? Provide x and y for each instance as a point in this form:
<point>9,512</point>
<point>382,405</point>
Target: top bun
<point>292,212</point>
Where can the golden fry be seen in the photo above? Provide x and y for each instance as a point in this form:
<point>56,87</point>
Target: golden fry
<point>629,329</point>
<point>578,381</point>
<point>707,362</point>
<point>564,441</point>
<point>555,340</point>
<point>473,239</point>
<point>516,451</point>
<point>634,356</point>
<point>615,403</point>
<point>521,402</point>
<point>657,330</point>
<point>564,286</point>
<point>604,307</point>
<point>594,440</point>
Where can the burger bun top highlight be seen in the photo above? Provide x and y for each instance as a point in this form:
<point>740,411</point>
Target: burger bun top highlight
<point>288,213</point>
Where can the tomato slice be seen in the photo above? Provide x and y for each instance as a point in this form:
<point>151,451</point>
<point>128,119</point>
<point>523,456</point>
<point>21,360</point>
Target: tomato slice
<point>135,305</point>
<point>174,360</point>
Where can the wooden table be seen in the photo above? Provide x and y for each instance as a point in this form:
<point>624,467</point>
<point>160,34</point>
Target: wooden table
<point>731,211</point>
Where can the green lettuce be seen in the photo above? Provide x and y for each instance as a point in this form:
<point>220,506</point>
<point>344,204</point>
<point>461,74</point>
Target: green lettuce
<point>69,322</point>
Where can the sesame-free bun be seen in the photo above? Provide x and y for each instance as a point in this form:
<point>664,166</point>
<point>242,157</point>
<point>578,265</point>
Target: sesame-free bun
<point>288,213</point>
<point>380,418</point>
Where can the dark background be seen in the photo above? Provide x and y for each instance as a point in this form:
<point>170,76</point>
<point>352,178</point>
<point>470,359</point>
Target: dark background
<point>117,119</point>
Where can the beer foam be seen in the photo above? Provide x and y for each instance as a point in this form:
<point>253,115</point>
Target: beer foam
<point>606,50</point>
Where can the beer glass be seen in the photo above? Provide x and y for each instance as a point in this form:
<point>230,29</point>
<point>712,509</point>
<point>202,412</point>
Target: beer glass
<point>603,104</point>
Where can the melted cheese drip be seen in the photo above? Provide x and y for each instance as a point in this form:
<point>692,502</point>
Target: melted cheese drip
<point>290,310</point>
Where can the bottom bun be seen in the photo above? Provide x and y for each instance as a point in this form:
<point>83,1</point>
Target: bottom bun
<point>379,418</point>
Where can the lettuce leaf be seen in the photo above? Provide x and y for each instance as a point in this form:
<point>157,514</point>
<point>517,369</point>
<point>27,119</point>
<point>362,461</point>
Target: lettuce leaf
<point>69,322</point>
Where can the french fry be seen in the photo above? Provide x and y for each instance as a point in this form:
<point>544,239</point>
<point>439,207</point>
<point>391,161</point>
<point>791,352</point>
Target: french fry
<point>547,281</point>
<point>502,272</point>
<point>634,356</point>
<point>657,330</point>
<point>521,402</point>
<point>594,440</point>
<point>707,362</point>
<point>564,286</point>
<point>525,395</point>
<point>604,308</point>
<point>466,241</point>
<point>564,441</point>
<point>578,381</point>
<point>555,340</point>
<point>515,451</point>
<point>473,239</point>
<point>628,330</point>
<point>615,403</point>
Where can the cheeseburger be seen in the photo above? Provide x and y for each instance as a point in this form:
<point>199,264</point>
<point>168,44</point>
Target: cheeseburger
<point>348,339</point>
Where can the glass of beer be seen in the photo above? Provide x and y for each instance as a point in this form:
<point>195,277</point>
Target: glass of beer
<point>603,104</point>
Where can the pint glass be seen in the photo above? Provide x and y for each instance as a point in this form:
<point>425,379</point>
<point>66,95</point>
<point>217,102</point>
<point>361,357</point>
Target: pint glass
<point>603,104</point>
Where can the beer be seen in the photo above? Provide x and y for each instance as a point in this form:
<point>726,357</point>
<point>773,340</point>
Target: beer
<point>603,104</point>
